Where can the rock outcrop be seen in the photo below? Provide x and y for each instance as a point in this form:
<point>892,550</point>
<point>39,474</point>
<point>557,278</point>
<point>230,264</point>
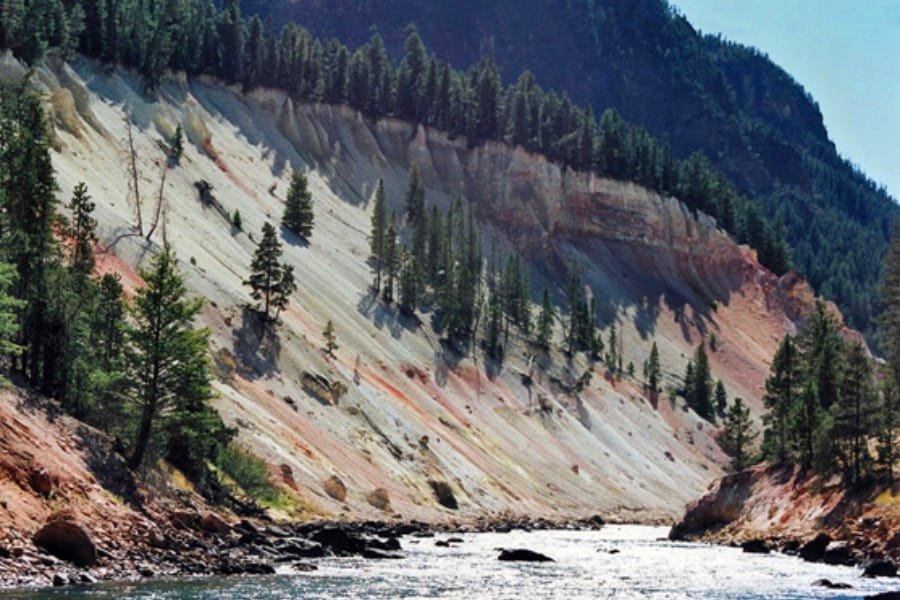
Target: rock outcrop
<point>718,507</point>
<point>64,537</point>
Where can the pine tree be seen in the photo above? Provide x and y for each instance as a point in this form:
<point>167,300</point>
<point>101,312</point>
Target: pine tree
<point>889,294</point>
<point>494,327</point>
<point>575,298</point>
<point>82,232</point>
<point>822,347</point>
<point>738,435</point>
<point>652,375</point>
<point>330,338</point>
<point>854,414</point>
<point>781,393</point>
<point>545,320</point>
<point>298,207</point>
<point>411,78</point>
<point>177,145</point>
<point>888,422</point>
<point>804,425</point>
<point>410,282</point>
<point>699,389</point>
<point>281,293</point>
<point>391,259</point>
<point>8,307</point>
<point>721,398</point>
<point>166,354</point>
<point>28,187</point>
<point>612,352</point>
<point>415,197</point>
<point>270,281</point>
<point>378,233</point>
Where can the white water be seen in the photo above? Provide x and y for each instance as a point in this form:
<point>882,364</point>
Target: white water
<point>646,566</point>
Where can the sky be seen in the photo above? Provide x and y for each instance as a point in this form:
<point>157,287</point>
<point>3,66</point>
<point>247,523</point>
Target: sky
<point>846,53</point>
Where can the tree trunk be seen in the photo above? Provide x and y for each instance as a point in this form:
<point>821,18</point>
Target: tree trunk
<point>143,438</point>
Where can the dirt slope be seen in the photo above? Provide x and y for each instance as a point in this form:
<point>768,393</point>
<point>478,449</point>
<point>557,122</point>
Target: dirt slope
<point>413,413</point>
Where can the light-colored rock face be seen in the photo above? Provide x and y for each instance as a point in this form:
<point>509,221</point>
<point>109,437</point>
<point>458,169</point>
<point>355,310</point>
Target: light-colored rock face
<point>412,412</point>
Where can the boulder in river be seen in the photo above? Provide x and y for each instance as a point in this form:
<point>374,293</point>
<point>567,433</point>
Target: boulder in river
<point>374,553</point>
<point>814,550</point>
<point>339,540</point>
<point>248,568</point>
<point>832,585</point>
<point>523,554</point>
<point>756,547</point>
<point>299,547</point>
<point>67,539</point>
<point>879,568</point>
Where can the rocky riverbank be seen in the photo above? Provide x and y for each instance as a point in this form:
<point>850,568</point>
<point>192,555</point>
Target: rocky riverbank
<point>780,508</point>
<point>203,543</point>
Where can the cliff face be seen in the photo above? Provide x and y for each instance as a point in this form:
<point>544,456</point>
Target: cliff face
<point>538,206</point>
<point>415,417</point>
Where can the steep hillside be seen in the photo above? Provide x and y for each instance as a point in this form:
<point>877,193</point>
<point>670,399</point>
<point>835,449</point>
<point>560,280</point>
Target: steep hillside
<point>415,415</point>
<point>748,116</point>
<point>784,508</point>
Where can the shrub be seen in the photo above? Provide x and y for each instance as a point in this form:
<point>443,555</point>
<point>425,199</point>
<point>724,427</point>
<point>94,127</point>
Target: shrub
<point>248,471</point>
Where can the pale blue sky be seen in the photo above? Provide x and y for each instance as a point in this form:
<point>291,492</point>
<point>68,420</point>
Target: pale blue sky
<point>846,53</point>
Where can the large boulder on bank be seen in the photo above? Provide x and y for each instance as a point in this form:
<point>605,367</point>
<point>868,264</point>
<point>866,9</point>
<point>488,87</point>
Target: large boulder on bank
<point>65,538</point>
<point>523,554</point>
<point>335,488</point>
<point>443,493</point>
<point>213,523</point>
<point>838,553</point>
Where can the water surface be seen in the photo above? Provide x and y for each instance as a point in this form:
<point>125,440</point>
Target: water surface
<point>645,566</point>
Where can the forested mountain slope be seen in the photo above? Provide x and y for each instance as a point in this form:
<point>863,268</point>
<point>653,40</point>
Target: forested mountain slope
<point>749,117</point>
<point>398,406</point>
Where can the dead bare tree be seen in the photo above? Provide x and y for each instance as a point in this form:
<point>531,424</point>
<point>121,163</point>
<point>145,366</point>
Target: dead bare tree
<point>133,183</point>
<point>160,201</point>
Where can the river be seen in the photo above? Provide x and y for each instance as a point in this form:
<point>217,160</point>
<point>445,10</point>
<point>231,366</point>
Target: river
<point>626,561</point>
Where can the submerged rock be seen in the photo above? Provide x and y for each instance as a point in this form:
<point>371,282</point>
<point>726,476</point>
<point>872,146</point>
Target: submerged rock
<point>523,554</point>
<point>832,585</point>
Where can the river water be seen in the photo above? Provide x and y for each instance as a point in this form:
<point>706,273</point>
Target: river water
<point>616,562</point>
